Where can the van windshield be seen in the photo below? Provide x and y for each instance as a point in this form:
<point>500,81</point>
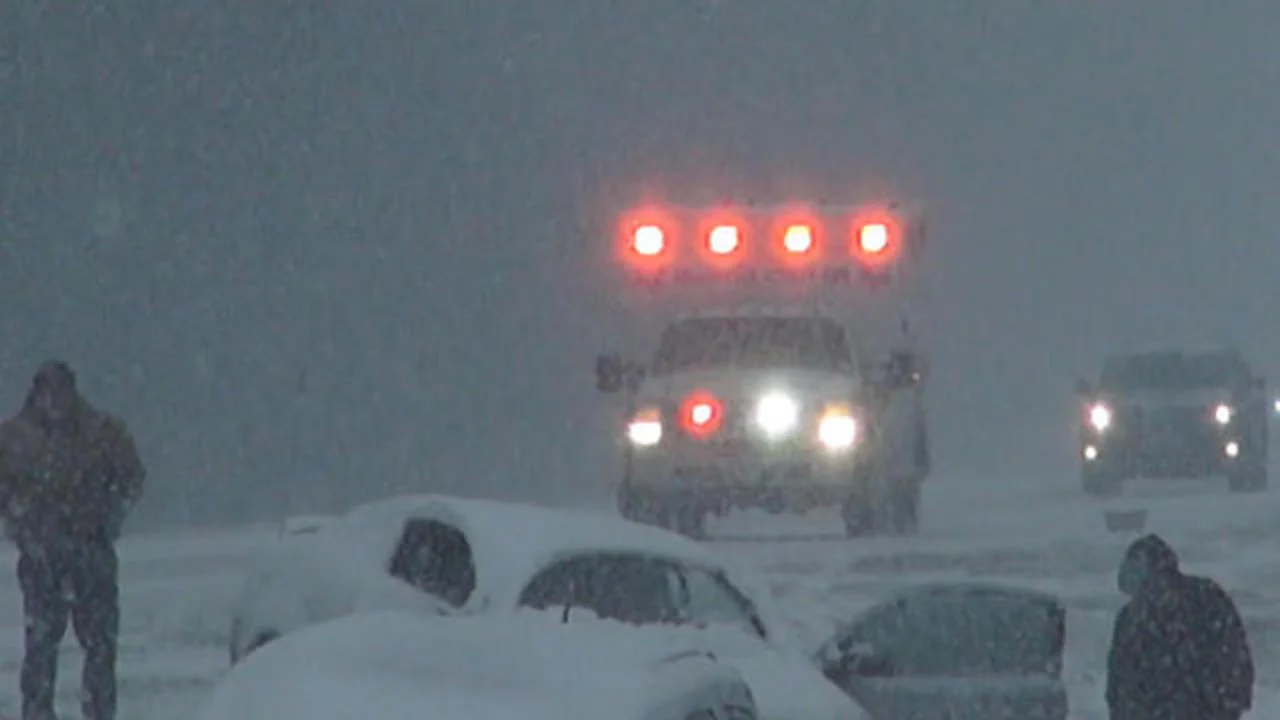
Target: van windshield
<point>1169,372</point>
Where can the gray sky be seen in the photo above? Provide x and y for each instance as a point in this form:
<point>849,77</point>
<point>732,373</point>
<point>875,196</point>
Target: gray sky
<point>355,247</point>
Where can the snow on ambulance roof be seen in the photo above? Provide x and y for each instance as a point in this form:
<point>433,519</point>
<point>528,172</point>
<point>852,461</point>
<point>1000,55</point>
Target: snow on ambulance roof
<point>748,310</point>
<point>392,665</point>
<point>510,542</point>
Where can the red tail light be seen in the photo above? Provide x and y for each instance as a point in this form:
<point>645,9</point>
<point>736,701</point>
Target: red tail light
<point>701,414</point>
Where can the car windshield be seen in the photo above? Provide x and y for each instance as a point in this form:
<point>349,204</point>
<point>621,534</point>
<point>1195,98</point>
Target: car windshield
<point>806,343</point>
<point>1167,372</point>
<point>628,588</point>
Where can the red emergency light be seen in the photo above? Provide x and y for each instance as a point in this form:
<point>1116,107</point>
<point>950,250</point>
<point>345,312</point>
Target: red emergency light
<point>873,238</point>
<point>724,239</point>
<point>701,414</point>
<point>653,238</point>
<point>647,238</point>
<point>797,239</point>
<point>876,238</point>
<point>723,235</point>
<point>648,241</point>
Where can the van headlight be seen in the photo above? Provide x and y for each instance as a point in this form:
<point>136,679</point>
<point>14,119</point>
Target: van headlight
<point>1100,417</point>
<point>1222,414</point>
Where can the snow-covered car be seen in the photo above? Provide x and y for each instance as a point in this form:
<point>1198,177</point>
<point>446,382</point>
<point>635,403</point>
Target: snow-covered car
<point>921,649</point>
<point>303,524</point>
<point>451,556</point>
<point>395,665</point>
<point>962,651</point>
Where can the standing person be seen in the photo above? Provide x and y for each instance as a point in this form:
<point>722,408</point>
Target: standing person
<point>1179,650</point>
<point>69,474</point>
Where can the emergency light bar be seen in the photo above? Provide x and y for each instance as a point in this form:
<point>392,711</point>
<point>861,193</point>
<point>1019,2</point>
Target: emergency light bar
<point>802,243</point>
<point>797,239</point>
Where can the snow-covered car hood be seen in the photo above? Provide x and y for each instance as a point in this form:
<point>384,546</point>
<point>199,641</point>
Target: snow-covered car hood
<point>303,524</point>
<point>342,573</point>
<point>786,683</point>
<point>402,666</point>
<point>735,383</point>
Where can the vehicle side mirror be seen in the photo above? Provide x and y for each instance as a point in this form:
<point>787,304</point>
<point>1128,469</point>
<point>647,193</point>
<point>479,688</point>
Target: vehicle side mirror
<point>613,374</point>
<point>858,661</point>
<point>1083,387</point>
<point>634,375</point>
<point>903,369</point>
<point>609,373</point>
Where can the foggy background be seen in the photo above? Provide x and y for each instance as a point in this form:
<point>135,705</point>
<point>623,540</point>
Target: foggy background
<point>319,251</point>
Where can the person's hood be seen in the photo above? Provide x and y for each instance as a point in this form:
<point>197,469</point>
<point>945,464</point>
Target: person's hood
<point>1148,558</point>
<point>56,375</point>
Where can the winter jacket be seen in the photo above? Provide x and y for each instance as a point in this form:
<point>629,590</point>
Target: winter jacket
<point>1179,651</point>
<point>74,481</point>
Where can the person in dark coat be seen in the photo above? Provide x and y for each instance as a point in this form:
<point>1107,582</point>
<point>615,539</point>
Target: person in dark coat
<point>69,474</point>
<point>1179,650</point>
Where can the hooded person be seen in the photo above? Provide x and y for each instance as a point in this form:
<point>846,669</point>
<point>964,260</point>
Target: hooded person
<point>1179,650</point>
<point>69,474</point>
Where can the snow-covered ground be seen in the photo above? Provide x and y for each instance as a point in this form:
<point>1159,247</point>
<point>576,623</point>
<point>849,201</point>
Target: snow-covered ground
<point>175,588</point>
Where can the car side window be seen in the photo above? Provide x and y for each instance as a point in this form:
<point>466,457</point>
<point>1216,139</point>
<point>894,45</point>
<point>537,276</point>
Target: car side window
<point>436,558</point>
<point>877,630</point>
<point>617,586</point>
<point>946,635</point>
<point>709,598</point>
<point>556,586</point>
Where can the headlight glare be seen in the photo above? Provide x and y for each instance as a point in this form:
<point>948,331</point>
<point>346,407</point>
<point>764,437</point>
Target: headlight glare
<point>1100,417</point>
<point>645,429</point>
<point>837,430</point>
<point>1222,414</point>
<point>777,414</point>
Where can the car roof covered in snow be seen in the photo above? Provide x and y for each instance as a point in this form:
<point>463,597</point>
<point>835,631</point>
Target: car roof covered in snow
<point>400,665</point>
<point>934,589</point>
<point>511,542</point>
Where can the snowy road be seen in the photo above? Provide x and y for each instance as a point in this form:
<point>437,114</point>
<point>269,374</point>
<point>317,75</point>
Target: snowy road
<point>176,588</point>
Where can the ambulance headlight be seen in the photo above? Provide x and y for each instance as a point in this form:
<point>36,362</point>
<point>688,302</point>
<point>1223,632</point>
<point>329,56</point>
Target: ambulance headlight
<point>837,430</point>
<point>777,414</point>
<point>645,429</point>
